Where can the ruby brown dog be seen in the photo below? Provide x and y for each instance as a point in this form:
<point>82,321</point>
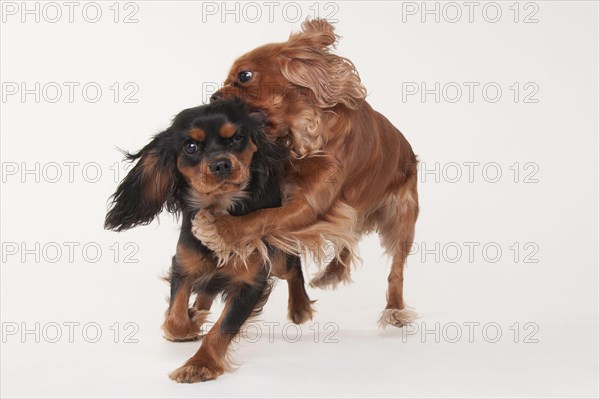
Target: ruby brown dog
<point>352,171</point>
<point>213,157</point>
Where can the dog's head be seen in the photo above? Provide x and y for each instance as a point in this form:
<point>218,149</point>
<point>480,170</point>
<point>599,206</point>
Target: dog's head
<point>208,157</point>
<point>297,77</point>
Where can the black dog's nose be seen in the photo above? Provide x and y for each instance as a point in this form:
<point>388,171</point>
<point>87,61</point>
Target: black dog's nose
<point>221,167</point>
<point>215,97</point>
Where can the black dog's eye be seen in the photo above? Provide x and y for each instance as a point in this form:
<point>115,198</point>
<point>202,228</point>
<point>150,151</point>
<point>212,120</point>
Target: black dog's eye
<point>245,76</point>
<point>235,139</point>
<point>190,148</point>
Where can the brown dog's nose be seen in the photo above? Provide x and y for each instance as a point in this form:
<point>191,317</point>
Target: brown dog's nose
<point>215,97</point>
<point>221,167</point>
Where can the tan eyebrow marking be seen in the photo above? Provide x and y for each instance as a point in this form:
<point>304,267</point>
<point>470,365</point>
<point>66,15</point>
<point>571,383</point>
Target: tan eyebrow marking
<point>197,134</point>
<point>227,130</point>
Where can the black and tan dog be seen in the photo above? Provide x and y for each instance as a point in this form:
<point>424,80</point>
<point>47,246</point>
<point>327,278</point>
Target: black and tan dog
<point>212,157</point>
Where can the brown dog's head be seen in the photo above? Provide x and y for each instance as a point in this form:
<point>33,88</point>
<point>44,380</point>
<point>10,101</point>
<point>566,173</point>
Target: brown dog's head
<point>294,81</point>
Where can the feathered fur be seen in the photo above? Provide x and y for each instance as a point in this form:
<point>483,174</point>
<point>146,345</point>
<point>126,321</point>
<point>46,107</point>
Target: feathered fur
<point>352,171</point>
<point>215,157</point>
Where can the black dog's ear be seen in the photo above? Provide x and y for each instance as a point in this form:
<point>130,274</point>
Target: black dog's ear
<point>269,159</point>
<point>152,184</point>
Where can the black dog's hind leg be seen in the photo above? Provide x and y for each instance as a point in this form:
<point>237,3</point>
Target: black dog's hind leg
<point>300,307</point>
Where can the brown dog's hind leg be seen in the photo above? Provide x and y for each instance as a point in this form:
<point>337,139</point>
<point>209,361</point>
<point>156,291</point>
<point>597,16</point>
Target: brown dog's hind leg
<point>397,229</point>
<point>337,271</point>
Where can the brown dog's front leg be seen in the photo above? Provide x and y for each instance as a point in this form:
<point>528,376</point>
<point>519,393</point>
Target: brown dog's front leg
<point>318,186</point>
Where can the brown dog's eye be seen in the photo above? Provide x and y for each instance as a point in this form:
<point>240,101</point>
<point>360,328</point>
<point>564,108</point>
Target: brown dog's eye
<point>245,76</point>
<point>190,148</point>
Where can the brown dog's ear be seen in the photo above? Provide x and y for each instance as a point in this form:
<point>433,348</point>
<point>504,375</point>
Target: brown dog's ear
<point>149,187</point>
<point>317,33</point>
<point>259,117</point>
<point>306,62</point>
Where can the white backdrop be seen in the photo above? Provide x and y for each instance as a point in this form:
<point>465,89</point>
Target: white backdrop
<point>500,101</point>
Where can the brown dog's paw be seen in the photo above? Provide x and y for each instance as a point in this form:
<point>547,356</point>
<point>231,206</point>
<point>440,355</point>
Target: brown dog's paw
<point>176,330</point>
<point>195,372</point>
<point>397,317</point>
